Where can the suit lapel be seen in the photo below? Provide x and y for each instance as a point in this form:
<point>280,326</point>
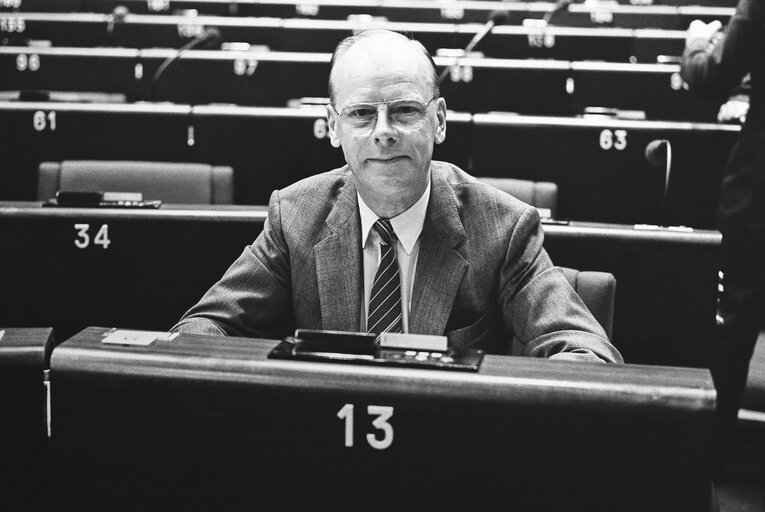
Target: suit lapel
<point>338,264</point>
<point>440,267</point>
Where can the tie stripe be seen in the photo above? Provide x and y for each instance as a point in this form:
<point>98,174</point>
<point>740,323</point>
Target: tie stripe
<point>385,299</point>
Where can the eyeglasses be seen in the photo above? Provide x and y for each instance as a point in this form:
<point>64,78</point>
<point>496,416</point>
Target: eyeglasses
<point>404,115</point>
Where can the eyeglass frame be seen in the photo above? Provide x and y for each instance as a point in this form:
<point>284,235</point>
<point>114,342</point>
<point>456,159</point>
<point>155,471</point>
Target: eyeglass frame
<point>387,104</point>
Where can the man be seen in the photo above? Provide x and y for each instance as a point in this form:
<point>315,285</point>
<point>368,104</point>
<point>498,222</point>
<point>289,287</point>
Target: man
<point>453,257</point>
<point>713,65</point>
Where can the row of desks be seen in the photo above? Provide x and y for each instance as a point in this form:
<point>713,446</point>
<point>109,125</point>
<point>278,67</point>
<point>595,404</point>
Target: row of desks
<point>71,268</point>
<point>509,41</point>
<point>598,163</point>
<point>619,44</point>
<point>265,78</point>
<point>210,423</point>
<point>673,14</point>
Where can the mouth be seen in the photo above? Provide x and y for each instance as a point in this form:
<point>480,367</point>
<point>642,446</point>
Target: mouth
<point>387,159</point>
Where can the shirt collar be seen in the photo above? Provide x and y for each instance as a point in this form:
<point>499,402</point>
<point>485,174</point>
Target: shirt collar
<point>407,224</point>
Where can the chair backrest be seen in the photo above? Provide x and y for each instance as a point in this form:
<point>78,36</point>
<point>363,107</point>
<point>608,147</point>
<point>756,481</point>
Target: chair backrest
<point>542,194</point>
<point>170,182</point>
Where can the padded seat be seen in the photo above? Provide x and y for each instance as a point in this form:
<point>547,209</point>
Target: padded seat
<point>170,182</point>
<point>542,194</point>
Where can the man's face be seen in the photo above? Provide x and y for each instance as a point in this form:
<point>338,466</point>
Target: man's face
<point>390,165</point>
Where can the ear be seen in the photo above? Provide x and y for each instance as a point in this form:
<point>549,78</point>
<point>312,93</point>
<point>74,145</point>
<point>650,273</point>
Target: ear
<point>334,139</point>
<point>441,118</point>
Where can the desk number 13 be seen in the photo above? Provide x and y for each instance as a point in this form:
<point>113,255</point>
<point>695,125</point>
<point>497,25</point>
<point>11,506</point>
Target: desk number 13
<point>383,414</point>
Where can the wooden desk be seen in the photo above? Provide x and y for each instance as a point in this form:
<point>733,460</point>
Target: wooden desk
<point>600,166</point>
<point>209,423</point>
<point>675,14</point>
<point>559,80</point>
<point>158,263</point>
<point>25,460</point>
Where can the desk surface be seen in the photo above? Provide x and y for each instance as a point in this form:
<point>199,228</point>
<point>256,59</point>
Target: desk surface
<point>210,423</point>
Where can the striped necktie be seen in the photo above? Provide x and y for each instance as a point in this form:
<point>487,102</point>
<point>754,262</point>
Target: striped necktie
<point>385,299</point>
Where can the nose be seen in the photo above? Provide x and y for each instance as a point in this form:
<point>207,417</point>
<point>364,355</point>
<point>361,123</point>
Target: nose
<point>384,132</point>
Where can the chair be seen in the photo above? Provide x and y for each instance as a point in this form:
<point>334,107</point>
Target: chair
<point>542,194</point>
<point>170,182</point>
<point>598,292</point>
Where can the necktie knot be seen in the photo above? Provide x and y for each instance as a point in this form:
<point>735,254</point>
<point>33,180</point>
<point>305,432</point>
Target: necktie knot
<point>385,231</point>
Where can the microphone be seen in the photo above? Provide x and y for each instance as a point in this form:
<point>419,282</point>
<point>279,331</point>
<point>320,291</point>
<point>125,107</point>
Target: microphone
<point>659,152</point>
<point>117,16</point>
<point>495,18</point>
<point>656,152</point>
<point>210,39</point>
<point>560,6</point>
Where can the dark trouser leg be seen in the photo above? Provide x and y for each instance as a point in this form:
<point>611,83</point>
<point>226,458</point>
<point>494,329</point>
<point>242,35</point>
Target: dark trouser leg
<point>740,317</point>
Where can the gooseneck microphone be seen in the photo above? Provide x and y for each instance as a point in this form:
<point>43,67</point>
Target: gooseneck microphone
<point>659,152</point>
<point>561,6</point>
<point>118,15</point>
<point>210,39</point>
<point>495,18</point>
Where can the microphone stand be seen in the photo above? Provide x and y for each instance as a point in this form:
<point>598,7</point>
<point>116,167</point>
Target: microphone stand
<point>209,35</point>
<point>497,18</point>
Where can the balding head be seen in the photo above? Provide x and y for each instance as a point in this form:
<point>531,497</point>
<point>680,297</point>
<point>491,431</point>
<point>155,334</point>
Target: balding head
<point>386,115</point>
<point>381,39</point>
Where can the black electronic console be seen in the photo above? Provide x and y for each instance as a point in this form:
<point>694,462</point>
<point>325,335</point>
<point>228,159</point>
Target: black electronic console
<point>80,199</point>
<point>387,349</point>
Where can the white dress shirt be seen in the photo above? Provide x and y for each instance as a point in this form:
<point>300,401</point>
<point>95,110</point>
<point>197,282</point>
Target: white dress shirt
<point>408,226</point>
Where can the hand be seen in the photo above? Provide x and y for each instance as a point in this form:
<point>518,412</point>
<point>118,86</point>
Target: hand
<point>700,30</point>
<point>733,111</point>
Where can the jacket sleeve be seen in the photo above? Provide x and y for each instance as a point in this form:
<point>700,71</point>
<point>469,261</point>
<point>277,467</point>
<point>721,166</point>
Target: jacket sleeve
<point>252,298</point>
<point>539,305</point>
<point>714,68</point>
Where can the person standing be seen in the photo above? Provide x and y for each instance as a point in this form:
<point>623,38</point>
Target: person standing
<point>713,65</point>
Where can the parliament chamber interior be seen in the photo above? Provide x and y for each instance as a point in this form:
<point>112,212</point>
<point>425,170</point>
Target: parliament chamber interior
<point>170,123</point>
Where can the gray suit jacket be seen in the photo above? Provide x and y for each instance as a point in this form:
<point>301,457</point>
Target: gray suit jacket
<point>482,275</point>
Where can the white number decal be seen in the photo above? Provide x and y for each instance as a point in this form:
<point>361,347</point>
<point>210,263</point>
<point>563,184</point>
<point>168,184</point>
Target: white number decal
<point>307,9</point>
<point>83,238</point>
<point>29,62</point>
<point>41,120</point>
<point>346,413</point>
<point>158,5</point>
<point>452,13</point>
<point>383,413</point>
<point>102,237</point>
<point>616,139</point>
<point>381,423</point>
<point>541,39</point>
<point>190,30</point>
<point>621,140</point>
<point>461,73</point>
<point>320,128</point>
<point>12,24</point>
<point>245,67</point>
